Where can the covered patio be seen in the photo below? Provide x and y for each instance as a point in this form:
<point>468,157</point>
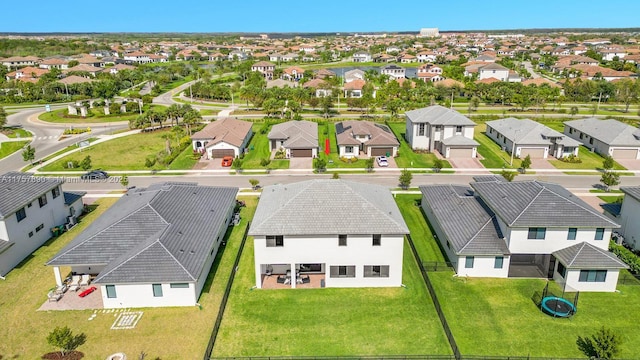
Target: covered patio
<point>531,266</point>
<point>316,281</point>
<point>287,276</point>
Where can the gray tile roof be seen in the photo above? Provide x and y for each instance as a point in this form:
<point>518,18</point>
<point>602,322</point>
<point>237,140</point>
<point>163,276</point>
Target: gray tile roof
<point>633,191</point>
<point>459,140</point>
<point>297,134</point>
<point>378,134</point>
<point>535,203</point>
<point>528,132</point>
<point>18,189</point>
<point>327,207</point>
<point>438,115</point>
<point>470,227</point>
<point>162,233</point>
<point>611,132</point>
<point>72,196</point>
<point>588,256</point>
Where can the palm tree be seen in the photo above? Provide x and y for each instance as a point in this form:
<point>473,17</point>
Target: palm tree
<point>173,113</point>
<point>190,118</point>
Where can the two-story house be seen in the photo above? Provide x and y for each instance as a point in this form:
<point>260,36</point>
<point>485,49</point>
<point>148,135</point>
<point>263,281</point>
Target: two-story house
<point>362,56</point>
<point>366,137</point>
<point>493,70</point>
<point>506,229</point>
<point>629,213</point>
<point>327,233</point>
<point>29,208</point>
<point>393,71</point>
<point>265,68</point>
<point>436,128</point>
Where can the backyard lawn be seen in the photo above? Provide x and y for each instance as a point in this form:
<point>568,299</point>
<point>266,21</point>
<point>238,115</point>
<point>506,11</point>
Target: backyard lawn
<point>590,160</point>
<point>9,147</point>
<point>330,321</point>
<point>125,153</point>
<point>154,334</point>
<point>407,158</point>
<point>492,154</point>
<point>259,149</point>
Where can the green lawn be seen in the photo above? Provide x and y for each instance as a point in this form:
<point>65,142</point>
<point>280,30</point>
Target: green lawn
<point>15,132</point>
<point>498,316</point>
<point>328,130</point>
<point>184,161</point>
<point>330,321</point>
<point>590,160</point>
<point>125,153</point>
<point>96,116</point>
<point>8,148</point>
<point>610,199</point>
<point>259,149</point>
<point>407,158</point>
<point>493,156</point>
<point>156,332</point>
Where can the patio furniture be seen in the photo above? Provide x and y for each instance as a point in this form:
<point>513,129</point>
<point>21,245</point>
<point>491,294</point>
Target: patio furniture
<point>85,280</point>
<point>75,283</point>
<point>306,279</point>
<point>87,291</point>
<point>280,279</point>
<point>287,281</point>
<point>61,289</point>
<point>53,296</point>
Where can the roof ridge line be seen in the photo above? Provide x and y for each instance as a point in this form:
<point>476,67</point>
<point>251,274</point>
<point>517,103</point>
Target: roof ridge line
<point>582,207</point>
<point>577,253</point>
<point>129,258</point>
<point>374,206</point>
<point>528,205</point>
<point>176,260</point>
<point>286,203</point>
<point>477,232</point>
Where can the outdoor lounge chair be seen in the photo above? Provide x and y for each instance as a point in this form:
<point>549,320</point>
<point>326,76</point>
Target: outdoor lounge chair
<point>85,280</point>
<point>54,296</point>
<point>75,283</point>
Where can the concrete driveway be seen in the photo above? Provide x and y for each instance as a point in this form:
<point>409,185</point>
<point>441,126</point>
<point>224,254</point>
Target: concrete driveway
<point>465,163</point>
<point>541,164</point>
<point>390,160</point>
<point>301,163</point>
<point>630,164</point>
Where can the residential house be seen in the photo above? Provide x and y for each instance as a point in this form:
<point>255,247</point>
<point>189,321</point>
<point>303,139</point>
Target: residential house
<point>223,137</point>
<point>293,73</point>
<point>20,61</point>
<point>429,73</point>
<point>354,88</point>
<point>612,53</point>
<point>629,213</point>
<point>54,63</point>
<point>355,74</point>
<point>606,137</point>
<point>366,137</point>
<point>393,71</point>
<point>323,73</point>
<point>237,55</point>
<point>504,229</point>
<point>297,138</point>
<point>524,137</point>
<point>493,70</point>
<point>347,234</point>
<point>362,56</point>
<point>92,70</point>
<point>138,57</point>
<point>322,88</point>
<point>426,56</point>
<point>154,247</point>
<point>265,68</point>
<point>436,128</point>
<point>119,67</point>
<point>29,74</point>
<point>29,208</point>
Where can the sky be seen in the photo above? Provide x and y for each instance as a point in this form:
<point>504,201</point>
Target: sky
<point>318,15</point>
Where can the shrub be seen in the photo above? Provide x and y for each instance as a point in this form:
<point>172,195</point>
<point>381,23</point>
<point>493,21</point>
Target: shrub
<point>571,159</point>
<point>280,154</point>
<point>265,162</point>
<point>627,256</point>
<point>149,162</point>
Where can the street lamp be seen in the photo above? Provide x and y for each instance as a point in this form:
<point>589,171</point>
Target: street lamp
<point>513,147</point>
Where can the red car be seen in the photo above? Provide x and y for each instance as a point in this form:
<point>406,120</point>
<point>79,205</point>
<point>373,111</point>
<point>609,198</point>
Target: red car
<point>227,161</point>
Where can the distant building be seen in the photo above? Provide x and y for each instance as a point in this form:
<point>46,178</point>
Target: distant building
<point>429,32</point>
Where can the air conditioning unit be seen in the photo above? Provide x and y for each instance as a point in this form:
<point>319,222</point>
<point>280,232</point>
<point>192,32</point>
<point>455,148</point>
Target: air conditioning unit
<point>71,220</point>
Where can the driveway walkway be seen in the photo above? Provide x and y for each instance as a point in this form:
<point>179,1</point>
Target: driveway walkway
<point>541,164</point>
<point>301,163</point>
<point>630,164</point>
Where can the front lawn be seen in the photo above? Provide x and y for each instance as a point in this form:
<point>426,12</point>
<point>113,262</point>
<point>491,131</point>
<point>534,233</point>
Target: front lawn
<point>154,334</point>
<point>407,158</point>
<point>95,115</point>
<point>493,155</point>
<point>185,161</point>
<point>327,130</point>
<point>259,149</point>
<point>329,321</point>
<point>9,147</point>
<point>124,153</point>
<point>590,160</point>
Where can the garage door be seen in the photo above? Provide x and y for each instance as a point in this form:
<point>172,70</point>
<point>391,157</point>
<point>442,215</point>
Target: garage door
<point>625,153</point>
<point>460,153</point>
<point>220,153</point>
<point>534,153</point>
<point>381,151</point>
<point>301,152</point>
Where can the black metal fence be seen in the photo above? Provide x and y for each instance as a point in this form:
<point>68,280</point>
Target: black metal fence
<point>438,266</point>
<point>225,296</point>
<point>396,357</point>
<point>628,279</point>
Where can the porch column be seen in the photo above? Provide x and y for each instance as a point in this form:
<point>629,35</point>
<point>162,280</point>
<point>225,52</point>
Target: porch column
<point>293,276</point>
<point>258,269</point>
<point>56,273</point>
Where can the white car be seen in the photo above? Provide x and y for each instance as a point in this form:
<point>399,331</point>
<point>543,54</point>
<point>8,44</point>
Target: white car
<point>382,161</point>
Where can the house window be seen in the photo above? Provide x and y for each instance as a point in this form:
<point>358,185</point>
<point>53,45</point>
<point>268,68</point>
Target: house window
<point>157,290</point>
<point>458,129</point>
<point>30,233</point>
<point>571,235</point>
<point>468,262</point>
<point>21,214</point>
<point>40,227</point>
<point>537,233</point>
<point>438,127</point>
<point>593,276</point>
<point>497,264</point>
<point>55,192</point>
<point>562,270</point>
<point>581,135</point>
<point>421,129</point>
<point>376,271</point>
<point>348,149</point>
<point>377,240</point>
<point>448,245</point>
<point>490,130</point>
<point>275,241</point>
<point>591,141</point>
<point>570,130</point>
<point>599,233</point>
<point>342,271</point>
<point>111,291</point>
<point>179,285</point>
<point>342,240</point>
<point>42,200</point>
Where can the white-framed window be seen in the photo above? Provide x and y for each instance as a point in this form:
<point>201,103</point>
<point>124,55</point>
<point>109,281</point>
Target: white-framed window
<point>42,200</point>
<point>599,234</point>
<point>275,240</point>
<point>572,233</point>
<point>342,240</point>
<point>377,240</point>
<point>111,291</point>
<point>342,271</point>
<point>593,276</point>
<point>348,149</point>
<point>499,262</point>
<point>157,290</point>
<point>376,271</point>
<point>421,129</point>
<point>537,233</point>
<point>55,192</point>
<point>468,262</point>
<point>179,285</point>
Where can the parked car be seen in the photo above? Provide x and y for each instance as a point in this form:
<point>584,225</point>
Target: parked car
<point>382,161</point>
<point>95,174</point>
<point>227,161</point>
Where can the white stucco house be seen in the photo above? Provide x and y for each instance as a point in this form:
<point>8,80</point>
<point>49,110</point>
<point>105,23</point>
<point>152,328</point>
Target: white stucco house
<point>362,56</point>
<point>29,208</point>
<point>514,229</point>
<point>493,70</point>
<point>223,137</point>
<point>527,137</point>
<point>356,137</point>
<point>629,216</point>
<point>436,128</point>
<point>606,137</point>
<point>347,234</point>
<point>154,247</point>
